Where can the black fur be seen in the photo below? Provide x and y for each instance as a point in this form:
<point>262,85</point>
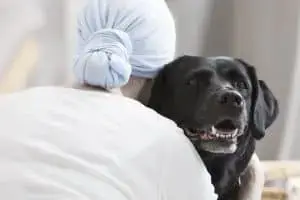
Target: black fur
<point>172,97</point>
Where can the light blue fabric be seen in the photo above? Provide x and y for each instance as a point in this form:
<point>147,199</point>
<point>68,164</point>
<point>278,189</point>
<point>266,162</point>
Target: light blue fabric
<point>120,38</point>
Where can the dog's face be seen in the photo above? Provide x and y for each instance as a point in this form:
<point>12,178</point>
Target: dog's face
<point>215,100</point>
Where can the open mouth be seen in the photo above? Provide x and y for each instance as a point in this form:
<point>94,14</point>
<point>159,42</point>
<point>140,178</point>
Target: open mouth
<point>223,130</point>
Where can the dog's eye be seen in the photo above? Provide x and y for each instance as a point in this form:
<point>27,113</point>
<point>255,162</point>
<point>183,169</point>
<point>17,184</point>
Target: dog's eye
<point>241,85</point>
<point>191,82</point>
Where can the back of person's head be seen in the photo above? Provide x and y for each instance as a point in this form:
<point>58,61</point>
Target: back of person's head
<point>122,38</point>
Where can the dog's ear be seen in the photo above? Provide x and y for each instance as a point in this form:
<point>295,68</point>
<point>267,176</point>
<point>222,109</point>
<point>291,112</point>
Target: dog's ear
<point>161,93</point>
<point>158,91</point>
<point>264,106</point>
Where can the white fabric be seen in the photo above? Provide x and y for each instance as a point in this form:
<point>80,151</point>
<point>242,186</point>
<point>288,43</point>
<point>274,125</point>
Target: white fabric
<point>67,144</point>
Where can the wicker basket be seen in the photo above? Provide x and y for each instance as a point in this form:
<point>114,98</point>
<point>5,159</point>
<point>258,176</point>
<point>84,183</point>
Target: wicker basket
<point>279,171</point>
<point>274,194</point>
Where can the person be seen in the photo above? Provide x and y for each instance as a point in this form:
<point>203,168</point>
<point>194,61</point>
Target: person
<point>123,43</point>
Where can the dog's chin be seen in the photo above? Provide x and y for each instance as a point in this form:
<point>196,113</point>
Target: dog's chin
<point>218,147</point>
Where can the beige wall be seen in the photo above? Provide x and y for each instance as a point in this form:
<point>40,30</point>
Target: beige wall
<point>266,34</point>
<point>191,18</point>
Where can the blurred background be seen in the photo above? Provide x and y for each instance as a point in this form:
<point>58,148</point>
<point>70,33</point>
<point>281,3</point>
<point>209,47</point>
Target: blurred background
<point>37,40</point>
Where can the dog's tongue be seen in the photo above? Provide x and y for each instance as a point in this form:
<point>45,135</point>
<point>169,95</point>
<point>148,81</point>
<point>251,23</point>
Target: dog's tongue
<point>206,136</point>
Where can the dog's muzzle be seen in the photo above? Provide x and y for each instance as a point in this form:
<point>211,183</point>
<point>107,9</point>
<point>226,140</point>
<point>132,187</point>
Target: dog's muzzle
<point>220,135</point>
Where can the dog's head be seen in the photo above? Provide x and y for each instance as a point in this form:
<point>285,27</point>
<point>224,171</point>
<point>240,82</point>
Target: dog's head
<point>215,100</point>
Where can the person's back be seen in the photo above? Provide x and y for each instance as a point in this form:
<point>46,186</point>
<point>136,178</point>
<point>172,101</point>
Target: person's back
<point>60,143</point>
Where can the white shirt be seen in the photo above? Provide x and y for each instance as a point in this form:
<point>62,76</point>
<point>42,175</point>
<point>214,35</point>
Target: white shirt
<point>61,144</point>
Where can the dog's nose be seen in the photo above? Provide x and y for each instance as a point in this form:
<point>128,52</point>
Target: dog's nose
<point>230,98</point>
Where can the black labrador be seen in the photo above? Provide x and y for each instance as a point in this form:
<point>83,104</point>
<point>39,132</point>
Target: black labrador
<point>223,109</point>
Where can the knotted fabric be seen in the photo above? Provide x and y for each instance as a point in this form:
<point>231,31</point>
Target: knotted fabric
<point>120,38</point>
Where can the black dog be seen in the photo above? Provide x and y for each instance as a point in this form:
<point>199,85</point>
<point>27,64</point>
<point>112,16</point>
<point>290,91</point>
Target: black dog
<point>222,108</point>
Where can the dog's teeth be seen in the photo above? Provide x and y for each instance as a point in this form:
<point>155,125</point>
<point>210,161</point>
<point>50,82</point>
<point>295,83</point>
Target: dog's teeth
<point>222,133</point>
<point>213,130</point>
<point>236,132</point>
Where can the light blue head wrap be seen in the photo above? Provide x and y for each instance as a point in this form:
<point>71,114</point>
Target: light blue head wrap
<point>120,38</point>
